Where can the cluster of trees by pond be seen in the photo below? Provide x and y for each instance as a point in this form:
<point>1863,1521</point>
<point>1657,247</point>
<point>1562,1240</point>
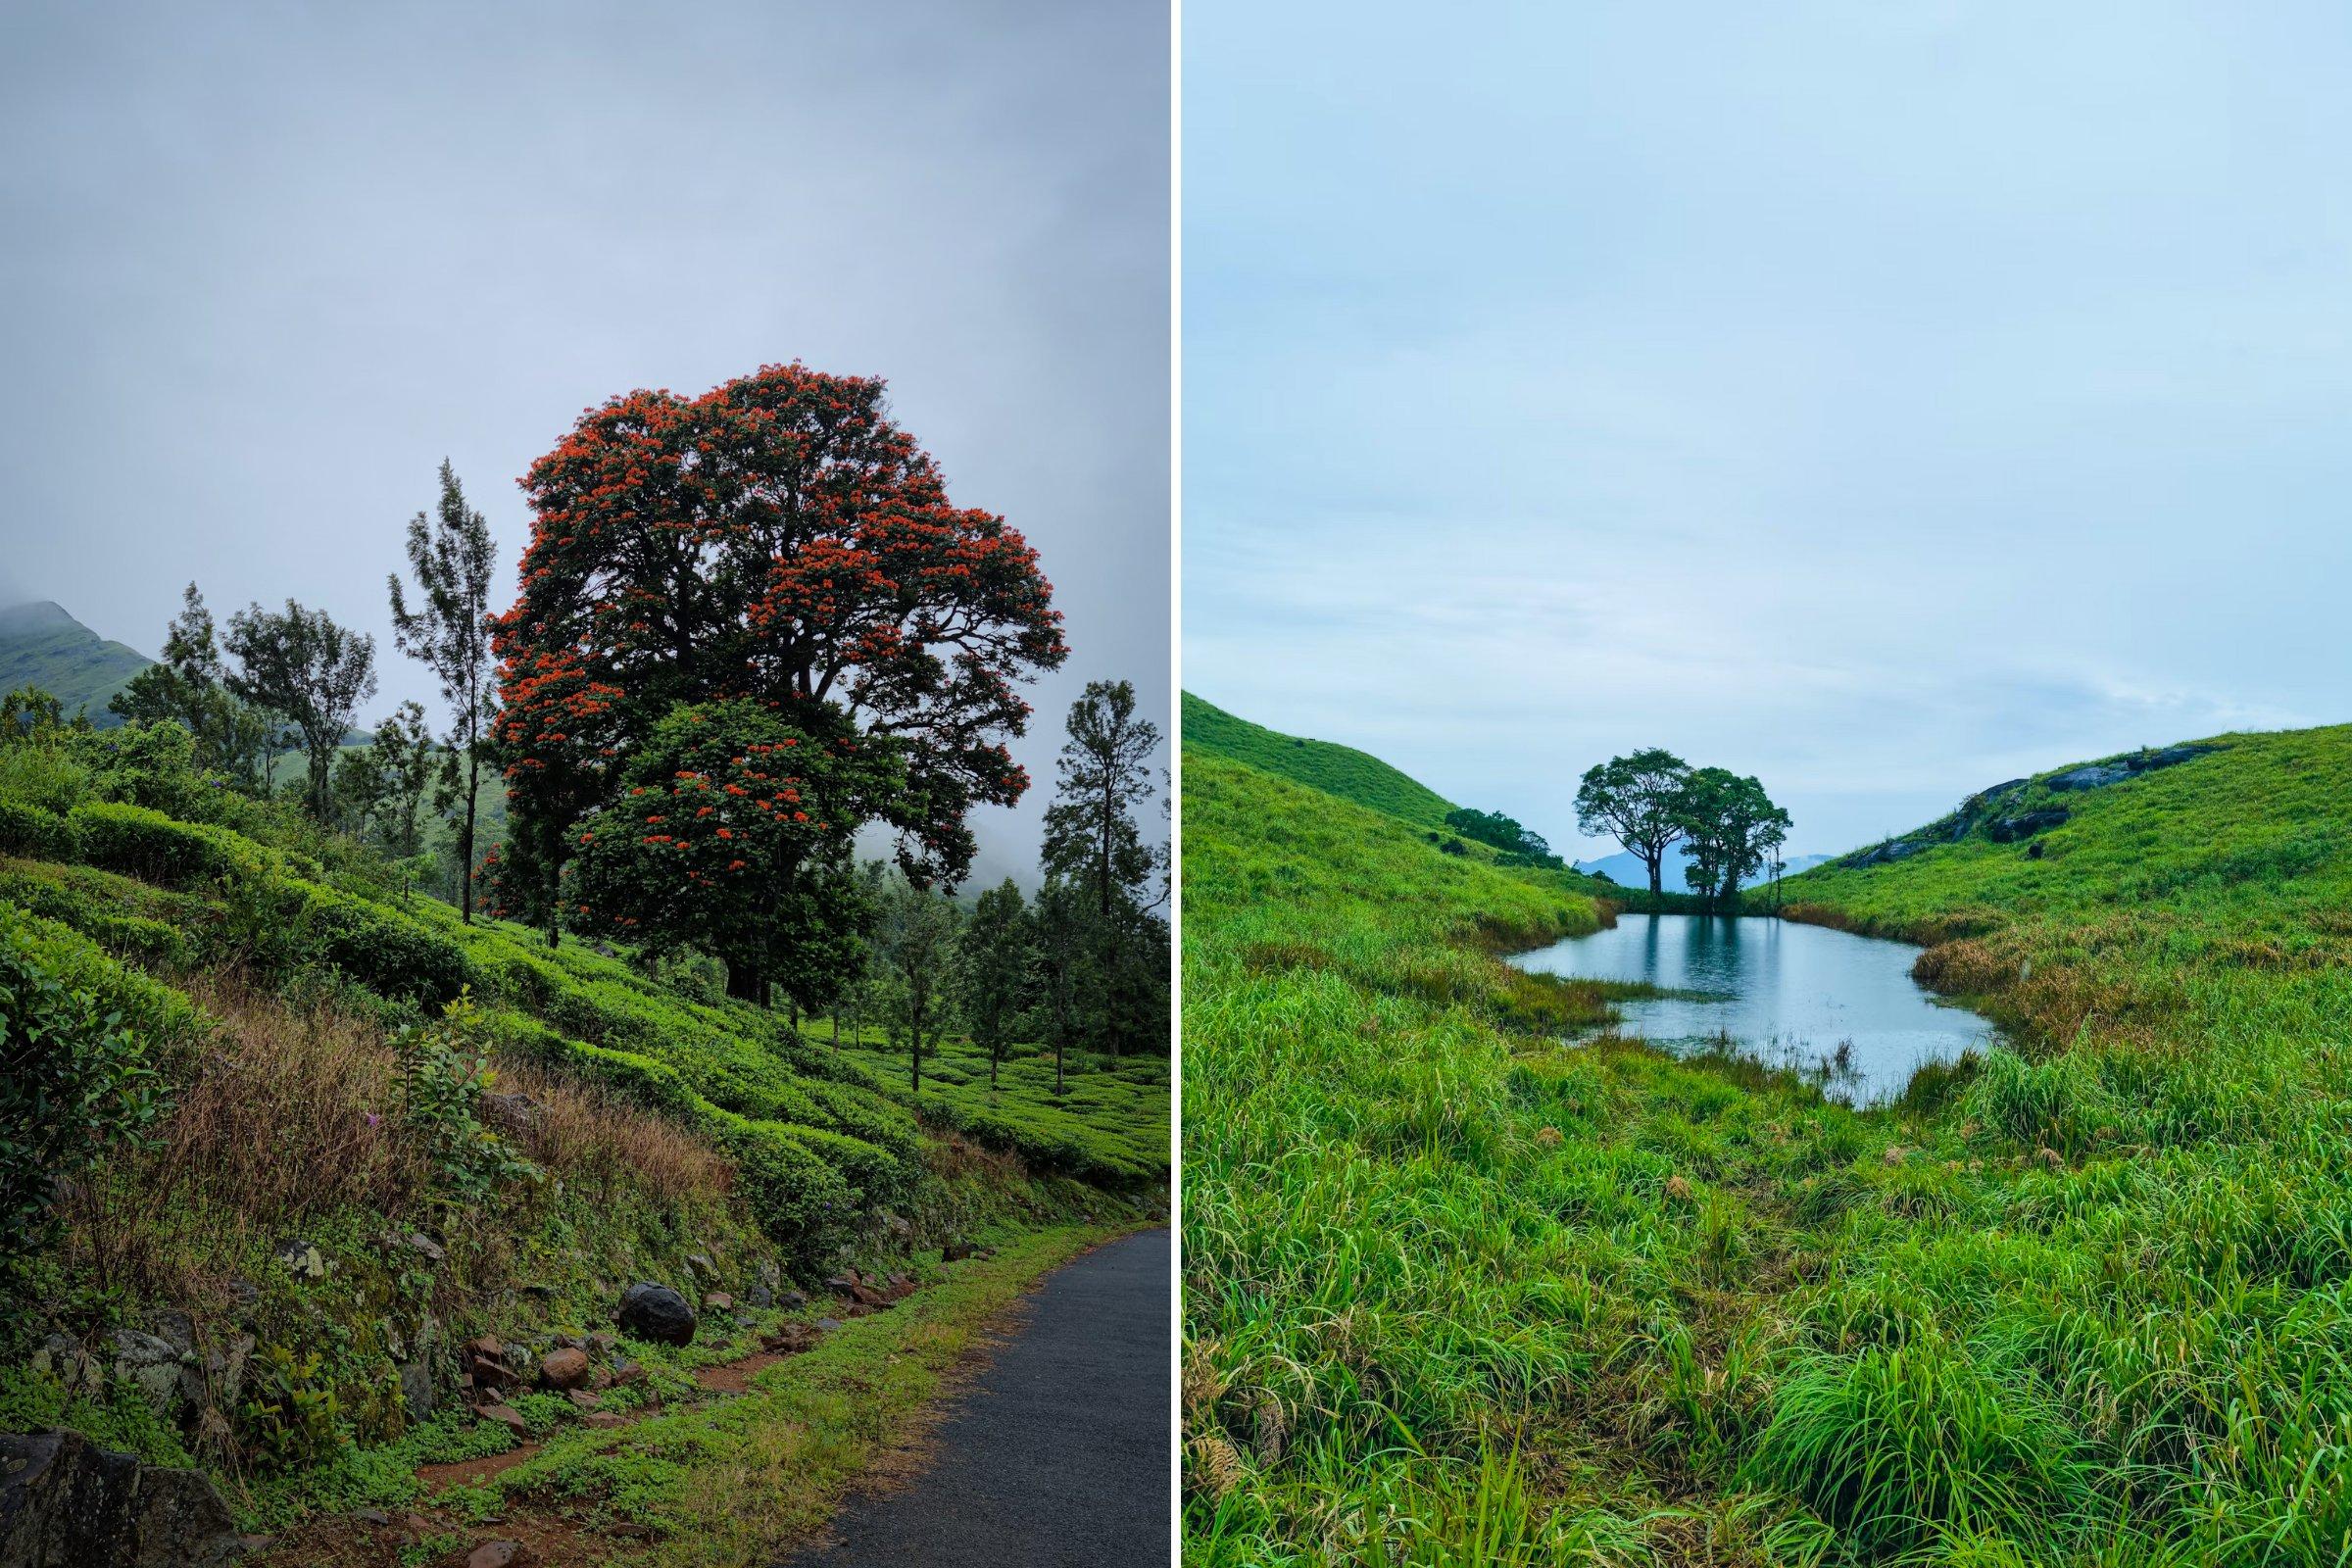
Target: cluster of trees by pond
<point>751,624</point>
<point>1651,800</point>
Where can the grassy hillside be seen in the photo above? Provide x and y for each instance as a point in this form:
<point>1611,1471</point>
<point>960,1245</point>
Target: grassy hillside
<point>1339,770</point>
<point>329,1205</point>
<point>1457,1293</point>
<point>40,645</point>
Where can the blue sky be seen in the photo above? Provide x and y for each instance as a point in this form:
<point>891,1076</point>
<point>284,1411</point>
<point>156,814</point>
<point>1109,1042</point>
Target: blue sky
<point>1886,400</point>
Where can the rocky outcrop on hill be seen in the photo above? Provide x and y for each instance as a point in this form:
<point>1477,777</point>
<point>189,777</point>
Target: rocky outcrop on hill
<point>2097,775</point>
<point>2024,825</point>
<point>66,1502</point>
<point>1979,809</point>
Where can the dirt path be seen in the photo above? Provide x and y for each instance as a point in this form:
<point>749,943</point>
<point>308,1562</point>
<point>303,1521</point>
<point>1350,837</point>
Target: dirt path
<point>1057,1454</point>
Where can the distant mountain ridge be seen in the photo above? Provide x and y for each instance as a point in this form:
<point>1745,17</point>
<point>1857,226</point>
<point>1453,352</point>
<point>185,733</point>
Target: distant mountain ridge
<point>1625,868</point>
<point>41,644</point>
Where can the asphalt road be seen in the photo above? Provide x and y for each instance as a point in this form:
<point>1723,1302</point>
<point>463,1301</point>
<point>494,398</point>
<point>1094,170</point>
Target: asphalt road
<point>1057,1454</point>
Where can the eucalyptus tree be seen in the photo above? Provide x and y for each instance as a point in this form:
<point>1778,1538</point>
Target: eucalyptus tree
<point>299,662</point>
<point>448,632</point>
<point>997,955</point>
<point>917,947</point>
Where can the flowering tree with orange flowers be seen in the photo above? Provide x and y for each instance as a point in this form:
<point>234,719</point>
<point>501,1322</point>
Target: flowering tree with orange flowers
<point>778,540</point>
<point>731,831</point>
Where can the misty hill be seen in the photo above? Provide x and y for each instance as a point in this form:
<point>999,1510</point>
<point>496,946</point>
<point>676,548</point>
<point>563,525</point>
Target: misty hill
<point>1625,869</point>
<point>40,645</point>
<point>1339,770</point>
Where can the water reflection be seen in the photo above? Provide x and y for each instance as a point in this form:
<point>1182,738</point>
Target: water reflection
<point>1840,1009</point>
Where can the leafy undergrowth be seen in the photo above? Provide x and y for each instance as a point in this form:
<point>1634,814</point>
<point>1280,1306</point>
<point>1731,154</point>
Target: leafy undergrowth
<point>1456,1294</point>
<point>336,1199</point>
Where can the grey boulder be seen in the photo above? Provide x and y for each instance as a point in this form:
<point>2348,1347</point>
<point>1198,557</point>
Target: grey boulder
<point>657,1313</point>
<point>67,1503</point>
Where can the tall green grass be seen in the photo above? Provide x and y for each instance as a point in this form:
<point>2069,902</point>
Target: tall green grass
<point>1458,1292</point>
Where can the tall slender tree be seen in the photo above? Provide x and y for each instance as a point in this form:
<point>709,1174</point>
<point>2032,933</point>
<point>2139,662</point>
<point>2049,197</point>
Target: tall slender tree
<point>408,758</point>
<point>300,664</point>
<point>996,955</point>
<point>1091,833</point>
<point>448,632</point>
<point>917,947</point>
<point>1067,972</point>
<point>1092,844</point>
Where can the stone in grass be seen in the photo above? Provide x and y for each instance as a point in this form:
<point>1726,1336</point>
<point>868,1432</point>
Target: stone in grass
<point>505,1416</point>
<point>826,1325</point>
<point>497,1554</point>
<point>657,1313</point>
<point>717,1302</point>
<point>302,1259</point>
<point>152,1363</point>
<point>565,1369</point>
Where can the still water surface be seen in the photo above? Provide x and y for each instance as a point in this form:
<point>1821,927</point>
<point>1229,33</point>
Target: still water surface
<point>1841,1007</point>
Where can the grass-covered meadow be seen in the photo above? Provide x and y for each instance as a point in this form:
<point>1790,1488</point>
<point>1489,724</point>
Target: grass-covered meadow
<point>1457,1292</point>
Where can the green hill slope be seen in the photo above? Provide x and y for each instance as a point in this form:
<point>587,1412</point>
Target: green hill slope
<point>1457,1293</point>
<point>40,645</point>
<point>325,1181</point>
<point>2240,827</point>
<point>1339,770</point>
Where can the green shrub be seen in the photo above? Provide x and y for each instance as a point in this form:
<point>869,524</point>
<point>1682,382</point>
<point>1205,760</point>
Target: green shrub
<point>803,1204</point>
<point>73,1082</point>
<point>43,777</point>
<point>151,766</point>
<point>383,949</point>
<point>159,1016</point>
<point>146,843</point>
<point>30,830</point>
<point>876,1177</point>
<point>444,1072</point>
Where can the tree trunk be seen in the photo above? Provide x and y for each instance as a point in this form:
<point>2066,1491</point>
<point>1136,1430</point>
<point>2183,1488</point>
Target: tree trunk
<point>473,787</point>
<point>1655,860</point>
<point>746,984</point>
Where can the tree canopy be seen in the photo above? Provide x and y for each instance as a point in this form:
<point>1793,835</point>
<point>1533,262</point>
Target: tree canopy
<point>300,664</point>
<point>1637,800</point>
<point>731,832</point>
<point>1504,833</point>
<point>1733,826</point>
<point>777,540</point>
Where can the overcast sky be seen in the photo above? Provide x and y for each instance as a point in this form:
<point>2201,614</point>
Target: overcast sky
<point>1886,400</point>
<point>266,265</point>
